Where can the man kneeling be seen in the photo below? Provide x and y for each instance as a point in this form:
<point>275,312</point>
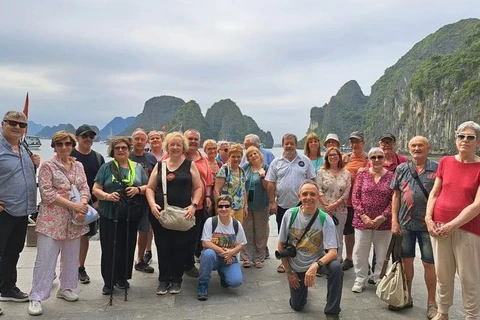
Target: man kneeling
<point>308,242</point>
<point>222,238</point>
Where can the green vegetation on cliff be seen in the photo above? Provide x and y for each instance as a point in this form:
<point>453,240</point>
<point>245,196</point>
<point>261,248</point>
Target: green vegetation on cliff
<point>189,116</point>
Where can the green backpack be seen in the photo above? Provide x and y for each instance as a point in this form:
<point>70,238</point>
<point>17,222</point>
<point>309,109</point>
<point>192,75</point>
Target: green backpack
<point>321,214</point>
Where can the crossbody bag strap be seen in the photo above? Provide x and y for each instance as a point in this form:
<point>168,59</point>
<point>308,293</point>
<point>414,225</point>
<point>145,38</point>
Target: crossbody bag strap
<point>395,246</point>
<point>164,184</point>
<point>414,174</point>
<point>309,225</point>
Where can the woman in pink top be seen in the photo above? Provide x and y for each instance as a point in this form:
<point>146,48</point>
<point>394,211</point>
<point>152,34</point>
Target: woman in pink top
<point>453,222</point>
<point>55,231</point>
<point>372,201</point>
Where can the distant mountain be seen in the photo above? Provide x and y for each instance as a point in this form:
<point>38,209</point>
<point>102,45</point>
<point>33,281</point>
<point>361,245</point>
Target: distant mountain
<point>156,114</point>
<point>116,126</point>
<point>34,128</point>
<point>190,116</point>
<point>48,132</point>
<point>228,123</point>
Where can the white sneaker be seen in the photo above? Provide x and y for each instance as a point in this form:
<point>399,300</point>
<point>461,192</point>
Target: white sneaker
<point>67,294</point>
<point>35,308</point>
<point>358,286</point>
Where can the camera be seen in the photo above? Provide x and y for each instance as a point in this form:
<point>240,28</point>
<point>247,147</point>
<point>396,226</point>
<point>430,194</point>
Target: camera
<point>289,251</point>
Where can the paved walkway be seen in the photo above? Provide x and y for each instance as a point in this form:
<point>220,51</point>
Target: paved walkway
<point>263,295</point>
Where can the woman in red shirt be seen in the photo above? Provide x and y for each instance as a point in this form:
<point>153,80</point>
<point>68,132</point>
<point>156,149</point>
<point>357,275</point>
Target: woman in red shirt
<point>453,222</point>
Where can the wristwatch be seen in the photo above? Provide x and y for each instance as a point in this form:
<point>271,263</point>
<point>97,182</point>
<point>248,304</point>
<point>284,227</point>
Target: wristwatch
<point>320,264</point>
<point>195,205</point>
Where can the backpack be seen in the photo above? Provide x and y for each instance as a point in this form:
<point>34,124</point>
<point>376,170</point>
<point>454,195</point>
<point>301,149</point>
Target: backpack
<point>321,214</point>
<point>215,224</point>
<point>99,158</point>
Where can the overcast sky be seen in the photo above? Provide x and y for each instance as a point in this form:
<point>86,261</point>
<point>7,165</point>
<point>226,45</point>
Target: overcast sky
<point>87,61</point>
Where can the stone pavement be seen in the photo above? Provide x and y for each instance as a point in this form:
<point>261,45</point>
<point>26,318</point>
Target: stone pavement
<point>263,295</point>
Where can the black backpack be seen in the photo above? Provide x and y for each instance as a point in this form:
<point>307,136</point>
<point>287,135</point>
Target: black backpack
<point>215,224</point>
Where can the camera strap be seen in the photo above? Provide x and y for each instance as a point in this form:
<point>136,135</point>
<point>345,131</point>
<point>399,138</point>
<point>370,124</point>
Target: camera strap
<point>309,225</point>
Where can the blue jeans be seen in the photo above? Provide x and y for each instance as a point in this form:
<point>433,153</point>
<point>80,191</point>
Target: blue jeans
<point>210,261</point>
<point>408,245</point>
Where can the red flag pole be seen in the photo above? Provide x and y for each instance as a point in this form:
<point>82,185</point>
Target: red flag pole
<point>25,108</point>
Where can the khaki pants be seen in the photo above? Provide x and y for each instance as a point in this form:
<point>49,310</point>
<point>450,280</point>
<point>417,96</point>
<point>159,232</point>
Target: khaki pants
<point>459,252</point>
<point>238,214</point>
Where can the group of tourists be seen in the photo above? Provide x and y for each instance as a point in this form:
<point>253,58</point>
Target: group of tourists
<point>357,199</point>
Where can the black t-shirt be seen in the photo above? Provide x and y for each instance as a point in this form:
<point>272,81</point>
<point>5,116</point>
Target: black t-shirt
<point>179,186</point>
<point>90,165</point>
<point>147,161</point>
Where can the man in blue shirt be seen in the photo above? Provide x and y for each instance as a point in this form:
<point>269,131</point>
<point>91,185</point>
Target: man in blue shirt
<point>18,199</point>
<point>252,140</point>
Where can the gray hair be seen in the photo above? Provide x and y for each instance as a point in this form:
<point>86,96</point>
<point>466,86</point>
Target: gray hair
<point>194,131</point>
<point>254,139</point>
<point>469,124</point>
<point>309,182</point>
<point>375,150</point>
<point>289,136</point>
<point>12,114</point>
<point>219,143</point>
<point>139,130</point>
<point>225,197</point>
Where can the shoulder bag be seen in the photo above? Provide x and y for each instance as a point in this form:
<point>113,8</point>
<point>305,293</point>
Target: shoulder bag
<point>392,288</point>
<point>172,217</point>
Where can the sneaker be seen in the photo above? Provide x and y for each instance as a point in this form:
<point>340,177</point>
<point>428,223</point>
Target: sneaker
<point>106,290</point>
<point>371,280</point>
<point>347,264</point>
<point>143,267</point>
<point>223,283</point>
<point>14,295</point>
<point>193,272</point>
<point>358,287</point>
<point>431,311</point>
<point>147,257</point>
<point>35,308</point>
<point>175,288</point>
<point>440,316</point>
<point>122,284</point>
<point>202,294</point>
<point>67,294</point>
<point>163,287</point>
<point>408,305</point>
<point>82,275</point>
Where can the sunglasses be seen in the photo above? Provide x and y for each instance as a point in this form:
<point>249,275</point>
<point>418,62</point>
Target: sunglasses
<point>61,144</point>
<point>377,157</point>
<point>13,123</point>
<point>463,137</point>
<point>118,148</point>
<point>85,136</point>
<point>223,206</point>
<point>225,150</point>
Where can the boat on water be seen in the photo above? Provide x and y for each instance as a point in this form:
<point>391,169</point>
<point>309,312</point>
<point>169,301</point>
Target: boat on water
<point>33,142</point>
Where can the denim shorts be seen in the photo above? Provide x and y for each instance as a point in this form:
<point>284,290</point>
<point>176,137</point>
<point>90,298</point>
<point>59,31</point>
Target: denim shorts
<point>408,245</point>
<point>144,223</point>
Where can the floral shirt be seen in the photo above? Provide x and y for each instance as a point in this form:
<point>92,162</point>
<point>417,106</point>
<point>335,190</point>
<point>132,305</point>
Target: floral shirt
<point>372,199</point>
<point>54,182</point>
<point>234,186</point>
<point>335,188</point>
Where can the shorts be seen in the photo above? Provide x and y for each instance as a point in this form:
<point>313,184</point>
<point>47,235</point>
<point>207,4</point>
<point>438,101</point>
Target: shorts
<point>93,229</point>
<point>348,230</point>
<point>408,245</point>
<point>144,224</point>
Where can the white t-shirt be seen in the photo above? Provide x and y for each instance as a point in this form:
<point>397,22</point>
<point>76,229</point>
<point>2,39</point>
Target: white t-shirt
<point>288,176</point>
<point>224,235</point>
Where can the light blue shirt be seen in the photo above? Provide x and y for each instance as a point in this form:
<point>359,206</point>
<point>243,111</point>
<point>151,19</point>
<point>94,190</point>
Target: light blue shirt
<point>18,187</point>
<point>267,157</point>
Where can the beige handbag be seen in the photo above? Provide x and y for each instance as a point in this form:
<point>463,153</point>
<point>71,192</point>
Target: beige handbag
<point>392,288</point>
<point>172,217</point>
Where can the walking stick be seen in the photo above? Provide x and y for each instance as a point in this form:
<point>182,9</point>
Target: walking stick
<point>126,251</point>
<point>113,255</point>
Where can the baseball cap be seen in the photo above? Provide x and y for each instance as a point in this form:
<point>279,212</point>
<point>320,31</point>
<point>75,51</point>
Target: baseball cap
<point>357,135</point>
<point>331,136</point>
<point>388,136</point>
<point>84,129</point>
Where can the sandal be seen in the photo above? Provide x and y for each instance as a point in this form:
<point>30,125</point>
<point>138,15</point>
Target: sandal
<point>281,269</point>
<point>246,264</point>
<point>258,264</point>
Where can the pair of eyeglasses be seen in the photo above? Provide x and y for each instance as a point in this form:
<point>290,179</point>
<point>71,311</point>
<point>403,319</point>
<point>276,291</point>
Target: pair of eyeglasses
<point>85,136</point>
<point>13,123</point>
<point>376,158</point>
<point>464,136</point>
<point>223,206</point>
<point>61,144</point>
<point>119,148</point>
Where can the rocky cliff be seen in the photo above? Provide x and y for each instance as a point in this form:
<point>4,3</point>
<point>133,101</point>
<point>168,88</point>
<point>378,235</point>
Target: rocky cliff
<point>190,116</point>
